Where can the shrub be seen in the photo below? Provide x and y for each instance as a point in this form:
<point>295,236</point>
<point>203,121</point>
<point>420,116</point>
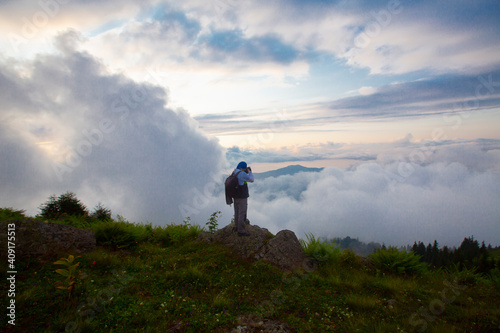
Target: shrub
<point>401,262</point>
<point>494,276</point>
<point>66,203</point>
<point>162,236</point>
<point>320,250</point>
<point>116,234</point>
<point>11,214</point>
<point>350,259</point>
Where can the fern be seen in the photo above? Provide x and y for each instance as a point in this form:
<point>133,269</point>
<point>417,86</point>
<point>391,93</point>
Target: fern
<point>400,262</point>
<point>320,250</point>
<point>462,274</point>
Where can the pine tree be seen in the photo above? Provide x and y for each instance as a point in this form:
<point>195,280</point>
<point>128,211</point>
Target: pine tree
<point>435,254</point>
<point>445,256</point>
<point>428,254</point>
<point>414,248</point>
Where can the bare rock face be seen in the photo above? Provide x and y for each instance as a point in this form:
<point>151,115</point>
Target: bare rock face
<point>282,250</point>
<point>46,241</point>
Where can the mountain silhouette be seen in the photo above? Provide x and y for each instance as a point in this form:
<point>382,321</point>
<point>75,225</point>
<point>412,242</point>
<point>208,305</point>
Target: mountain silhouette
<point>289,170</point>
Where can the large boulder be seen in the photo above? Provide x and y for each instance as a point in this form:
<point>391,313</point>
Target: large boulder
<point>45,241</point>
<point>283,250</point>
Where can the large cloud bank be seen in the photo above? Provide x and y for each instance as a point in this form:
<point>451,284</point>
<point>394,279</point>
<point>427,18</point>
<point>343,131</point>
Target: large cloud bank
<point>442,201</point>
<point>407,191</point>
<point>68,125</point>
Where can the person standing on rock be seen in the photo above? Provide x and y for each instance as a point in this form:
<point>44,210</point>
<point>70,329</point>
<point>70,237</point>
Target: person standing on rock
<point>244,176</point>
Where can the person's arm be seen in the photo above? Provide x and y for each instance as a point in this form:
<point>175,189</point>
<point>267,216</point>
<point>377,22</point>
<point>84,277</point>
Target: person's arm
<point>250,176</point>
<point>246,177</point>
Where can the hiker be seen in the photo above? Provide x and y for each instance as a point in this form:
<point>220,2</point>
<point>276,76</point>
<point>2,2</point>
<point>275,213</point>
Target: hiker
<point>241,198</point>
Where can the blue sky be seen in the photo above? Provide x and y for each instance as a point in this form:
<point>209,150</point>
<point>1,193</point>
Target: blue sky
<point>107,97</point>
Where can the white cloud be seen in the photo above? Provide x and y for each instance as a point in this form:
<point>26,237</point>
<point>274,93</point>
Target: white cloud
<point>29,26</point>
<point>384,36</point>
<point>367,90</point>
<point>446,202</point>
<point>324,28</point>
<point>450,194</point>
<point>70,126</point>
<point>413,40</point>
<point>192,59</point>
<point>394,37</point>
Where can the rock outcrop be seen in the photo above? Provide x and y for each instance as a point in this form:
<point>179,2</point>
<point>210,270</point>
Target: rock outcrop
<point>46,241</point>
<point>283,250</point>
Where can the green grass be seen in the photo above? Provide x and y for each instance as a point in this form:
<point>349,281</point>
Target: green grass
<point>167,281</point>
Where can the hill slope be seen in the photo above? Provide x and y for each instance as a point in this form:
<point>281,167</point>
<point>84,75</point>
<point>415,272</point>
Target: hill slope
<point>162,279</point>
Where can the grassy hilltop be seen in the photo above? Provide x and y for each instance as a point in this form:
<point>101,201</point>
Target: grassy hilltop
<point>142,278</point>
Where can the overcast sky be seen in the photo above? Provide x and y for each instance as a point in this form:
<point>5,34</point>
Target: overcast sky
<point>144,106</point>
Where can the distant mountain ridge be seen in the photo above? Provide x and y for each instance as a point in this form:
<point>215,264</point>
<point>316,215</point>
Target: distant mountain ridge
<point>289,170</point>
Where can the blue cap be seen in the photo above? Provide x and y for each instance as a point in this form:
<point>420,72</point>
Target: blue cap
<point>242,165</point>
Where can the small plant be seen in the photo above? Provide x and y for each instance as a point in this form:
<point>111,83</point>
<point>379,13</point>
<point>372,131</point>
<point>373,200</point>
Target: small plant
<point>69,272</point>
<point>269,236</point>
<point>221,301</point>
<point>212,223</point>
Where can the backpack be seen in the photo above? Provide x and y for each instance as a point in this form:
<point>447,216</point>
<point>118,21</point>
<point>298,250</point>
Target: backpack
<point>231,187</point>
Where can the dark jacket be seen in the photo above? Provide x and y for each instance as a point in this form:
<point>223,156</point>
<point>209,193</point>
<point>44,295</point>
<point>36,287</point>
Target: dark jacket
<point>242,191</point>
<point>243,178</point>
